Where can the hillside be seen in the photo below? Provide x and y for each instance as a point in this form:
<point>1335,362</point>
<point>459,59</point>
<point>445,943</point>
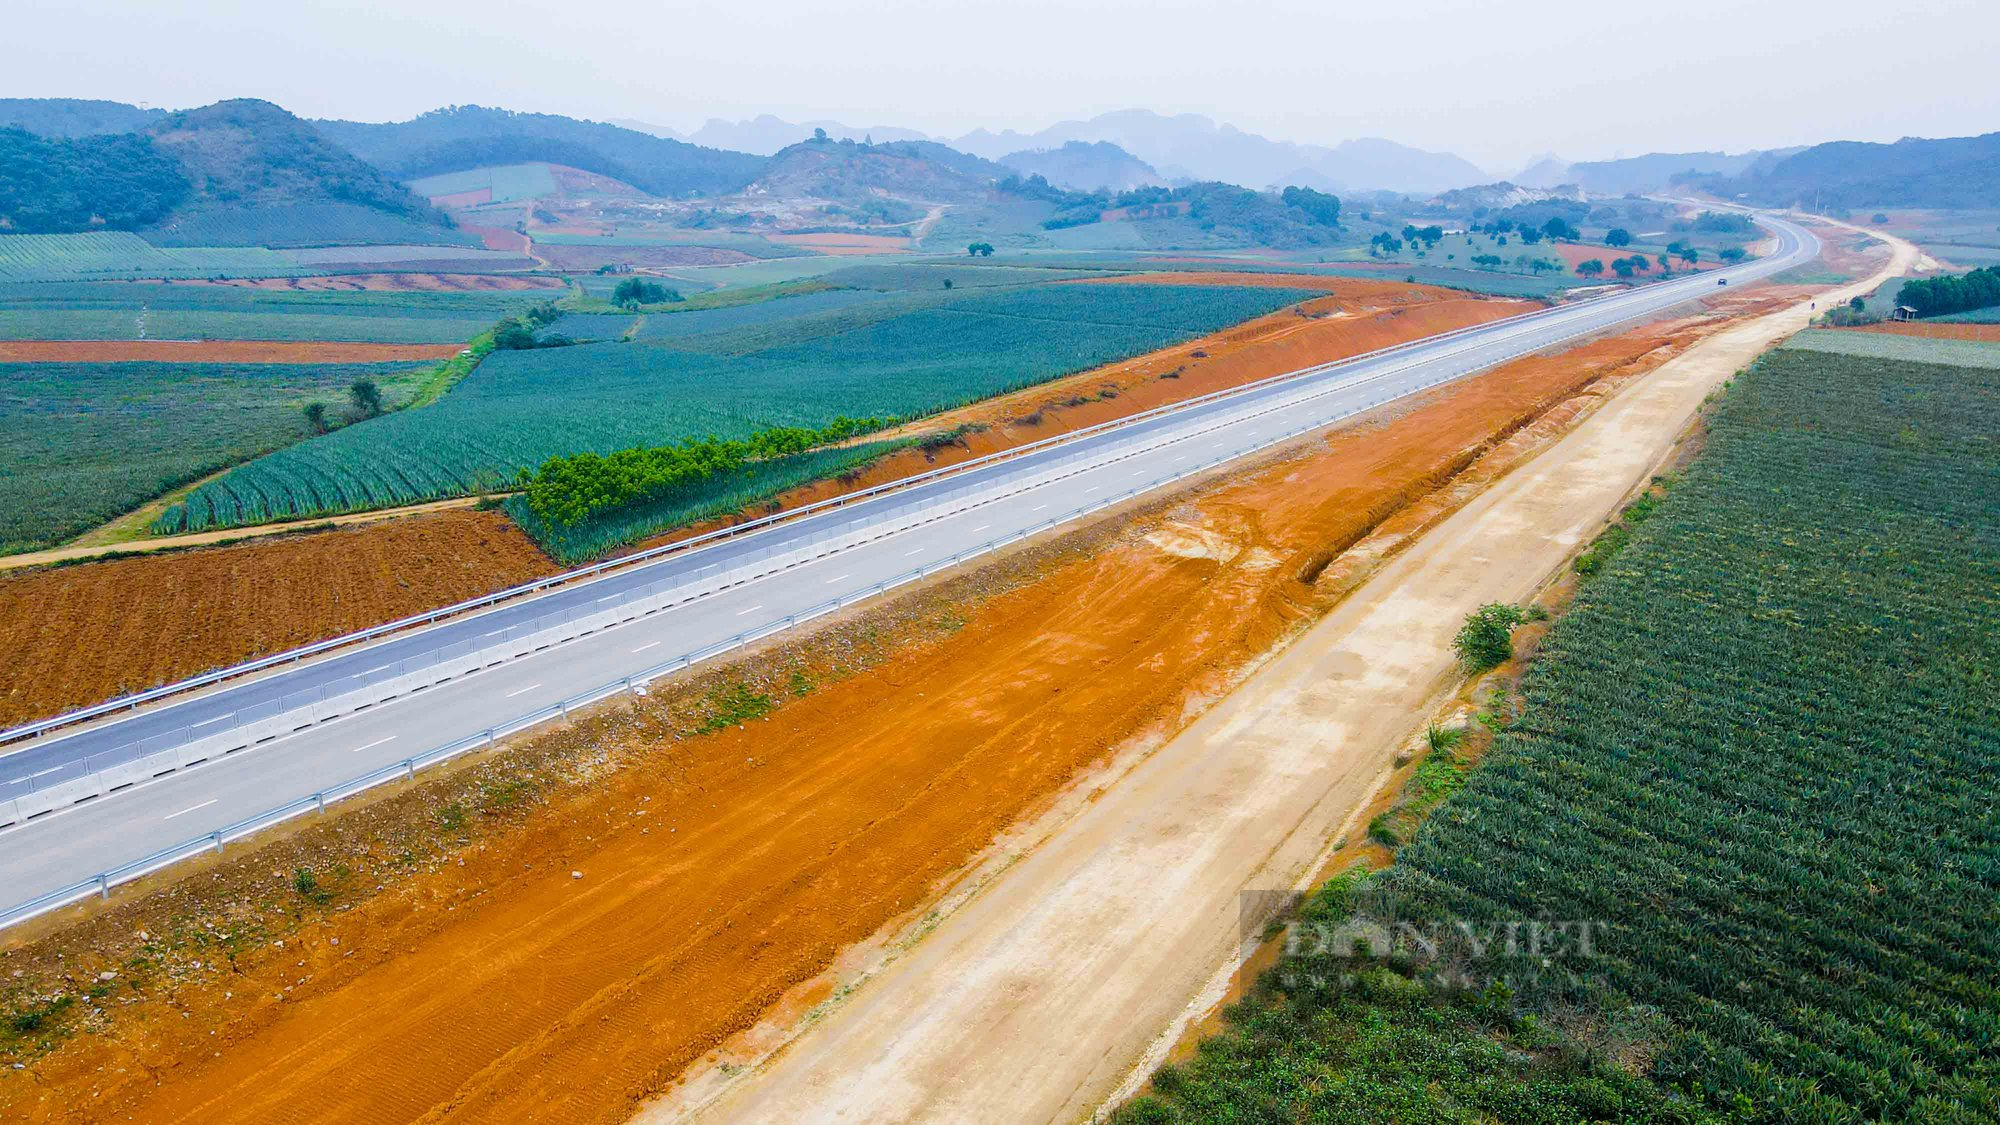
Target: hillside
<point>824,168</point>
<point>51,185</point>
<point>1086,166</point>
<point>249,153</point>
<point>462,137</point>
<point>1955,172</point>
<point>74,117</point>
<point>1650,172</point>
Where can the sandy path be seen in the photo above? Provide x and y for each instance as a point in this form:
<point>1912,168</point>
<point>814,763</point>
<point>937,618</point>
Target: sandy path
<point>1037,998</point>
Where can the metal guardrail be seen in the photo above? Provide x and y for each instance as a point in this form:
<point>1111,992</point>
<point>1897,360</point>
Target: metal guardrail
<point>102,883</point>
<point>431,617</point>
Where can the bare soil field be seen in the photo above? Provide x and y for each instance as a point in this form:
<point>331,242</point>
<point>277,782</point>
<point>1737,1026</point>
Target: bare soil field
<point>841,243</point>
<point>214,351</point>
<point>560,932</point>
<point>1933,330</point>
<point>394,282</point>
<point>74,635</point>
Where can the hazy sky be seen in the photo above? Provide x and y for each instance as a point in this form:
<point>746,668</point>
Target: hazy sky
<point>1496,83</point>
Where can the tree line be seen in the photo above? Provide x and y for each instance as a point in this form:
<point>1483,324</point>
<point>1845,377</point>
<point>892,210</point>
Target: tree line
<point>1937,296</point>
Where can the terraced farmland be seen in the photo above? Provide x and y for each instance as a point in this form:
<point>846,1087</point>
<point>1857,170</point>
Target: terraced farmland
<point>82,443</point>
<point>1762,756</point>
<point>521,408</point>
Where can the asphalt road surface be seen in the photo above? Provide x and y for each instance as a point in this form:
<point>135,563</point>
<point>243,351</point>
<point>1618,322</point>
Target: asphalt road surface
<point>926,525</point>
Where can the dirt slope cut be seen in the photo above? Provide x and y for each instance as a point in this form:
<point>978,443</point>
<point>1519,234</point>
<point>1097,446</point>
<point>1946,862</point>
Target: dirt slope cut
<point>74,635</point>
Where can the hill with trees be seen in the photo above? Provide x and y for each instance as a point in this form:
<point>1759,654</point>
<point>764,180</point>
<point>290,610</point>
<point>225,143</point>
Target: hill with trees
<point>461,137</point>
<point>1085,166</point>
<point>1954,172</point>
<point>824,168</point>
<point>250,153</point>
<point>52,185</point>
<point>74,117</point>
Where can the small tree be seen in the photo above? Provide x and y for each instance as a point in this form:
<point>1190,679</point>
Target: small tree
<point>316,417</point>
<point>1622,266</point>
<point>366,397</point>
<point>1879,218</point>
<point>1486,640</point>
<point>635,291</point>
<point>1690,255</point>
<point>1733,254</point>
<point>1666,266</point>
<point>1590,267</point>
<point>980,249</point>
<point>1858,304</point>
<point>1618,236</point>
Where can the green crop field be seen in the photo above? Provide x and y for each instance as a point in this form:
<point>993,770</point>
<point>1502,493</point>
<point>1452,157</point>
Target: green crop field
<point>1883,345</point>
<point>301,224</point>
<point>507,182</point>
<point>139,310</point>
<point>521,408</point>
<point>1760,756</point>
<point>115,254</point>
<point>83,443</point>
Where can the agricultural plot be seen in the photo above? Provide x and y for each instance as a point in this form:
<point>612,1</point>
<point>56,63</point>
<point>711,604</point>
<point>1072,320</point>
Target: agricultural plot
<point>1882,345</point>
<point>522,408</point>
<point>507,182</point>
<point>132,311</point>
<point>301,224</point>
<point>890,277</point>
<point>83,443</point>
<point>1761,758</point>
<point>117,254</point>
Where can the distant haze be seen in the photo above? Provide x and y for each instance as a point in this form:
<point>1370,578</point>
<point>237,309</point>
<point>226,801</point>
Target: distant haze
<point>1499,86</point>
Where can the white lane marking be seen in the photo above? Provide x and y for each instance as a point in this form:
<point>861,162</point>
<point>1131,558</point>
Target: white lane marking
<point>654,644</point>
<point>196,808</point>
<point>380,668</point>
<point>918,551</point>
<point>1140,473</point>
<point>752,609</point>
<point>208,722</point>
<point>1038,507</point>
<point>1091,489</point>
<point>523,691</point>
<point>831,581</point>
<point>46,772</point>
<point>372,745</point>
<point>981,527</point>
<point>607,597</point>
<point>494,633</point>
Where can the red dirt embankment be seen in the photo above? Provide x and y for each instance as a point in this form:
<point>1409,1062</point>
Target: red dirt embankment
<point>215,351</point>
<point>75,635</point>
<point>716,875</point>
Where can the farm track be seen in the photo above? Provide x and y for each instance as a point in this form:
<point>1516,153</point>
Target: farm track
<point>763,851</point>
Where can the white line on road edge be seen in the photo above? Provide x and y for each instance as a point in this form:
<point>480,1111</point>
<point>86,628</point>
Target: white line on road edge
<point>655,644</point>
<point>372,745</point>
<point>521,691</point>
<point>196,808</point>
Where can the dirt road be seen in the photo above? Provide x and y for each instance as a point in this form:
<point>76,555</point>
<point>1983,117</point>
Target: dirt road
<point>1041,996</point>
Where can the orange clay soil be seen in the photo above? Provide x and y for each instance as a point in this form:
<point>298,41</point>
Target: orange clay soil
<point>557,932</point>
<point>1933,330</point>
<point>394,282</point>
<point>173,615</point>
<point>214,351</point>
<point>47,623</point>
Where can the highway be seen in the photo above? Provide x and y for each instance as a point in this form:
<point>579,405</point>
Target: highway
<point>842,555</point>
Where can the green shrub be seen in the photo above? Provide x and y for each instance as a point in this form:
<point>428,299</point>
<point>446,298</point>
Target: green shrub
<point>1486,639</point>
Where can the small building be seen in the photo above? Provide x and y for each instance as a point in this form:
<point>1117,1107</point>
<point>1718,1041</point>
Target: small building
<point>1904,312</point>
